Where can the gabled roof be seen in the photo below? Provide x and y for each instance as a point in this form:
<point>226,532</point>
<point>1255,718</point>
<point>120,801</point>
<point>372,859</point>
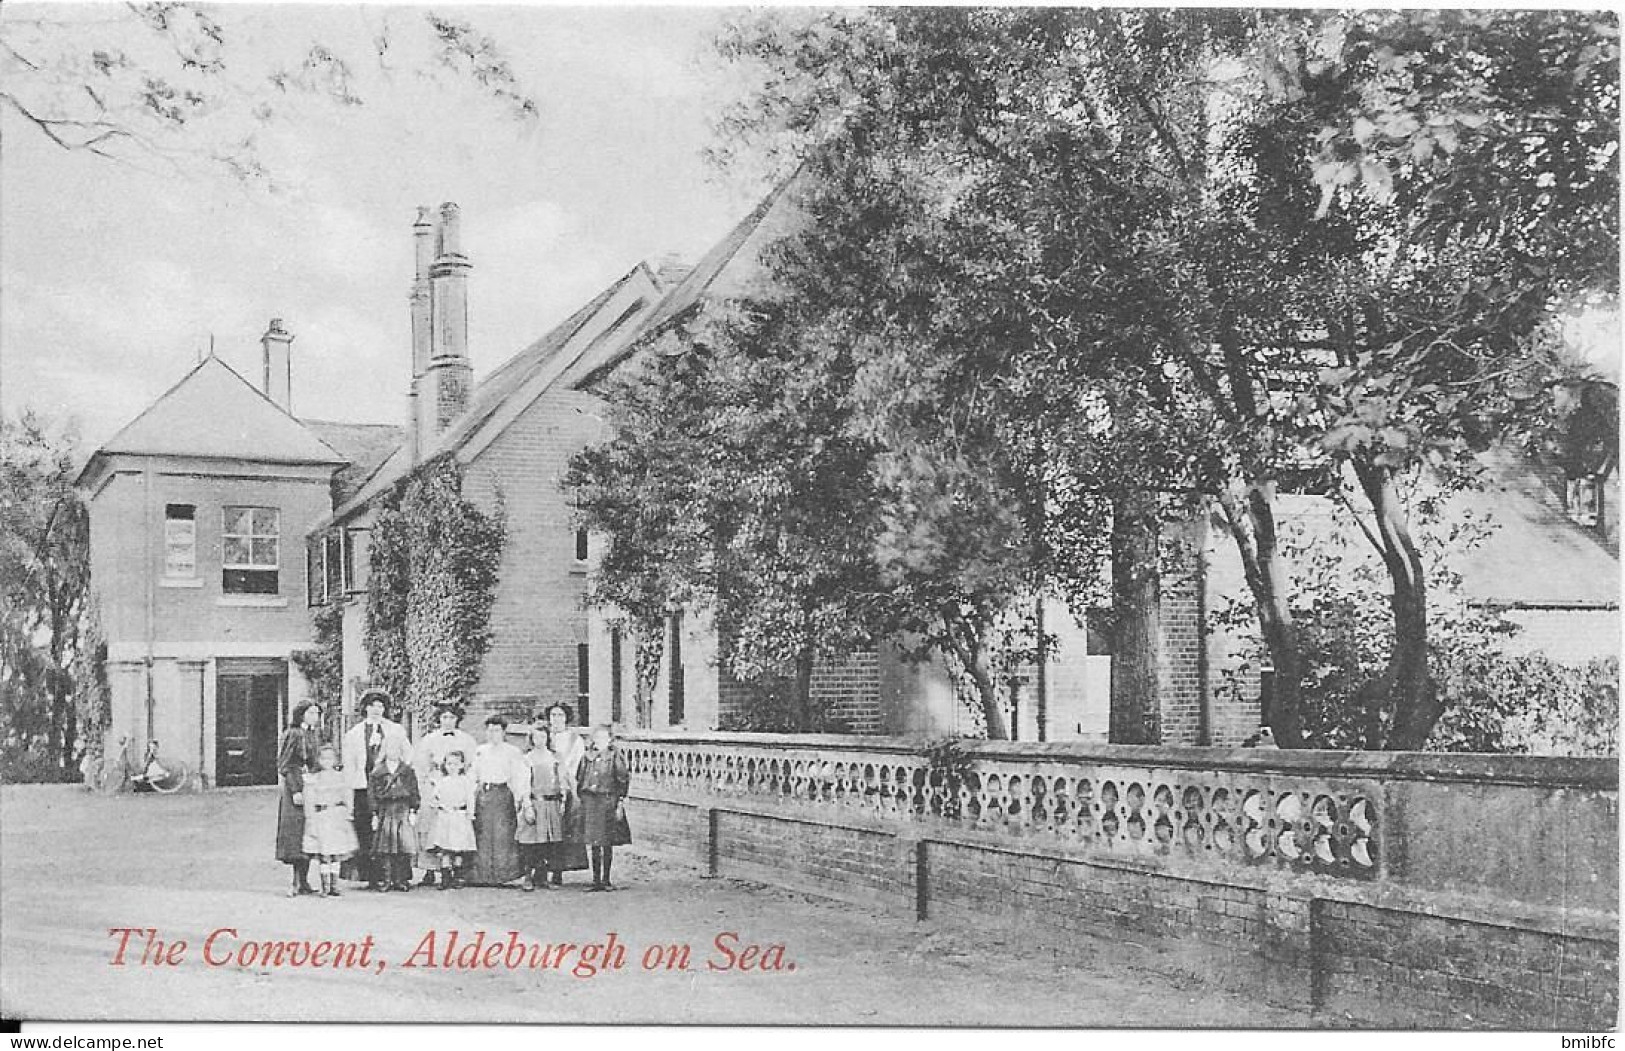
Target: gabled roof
<point>528,372</point>
<point>213,413</point>
<point>734,267</point>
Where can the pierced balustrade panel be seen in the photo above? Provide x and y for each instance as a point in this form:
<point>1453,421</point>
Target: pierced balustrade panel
<point>1303,824</point>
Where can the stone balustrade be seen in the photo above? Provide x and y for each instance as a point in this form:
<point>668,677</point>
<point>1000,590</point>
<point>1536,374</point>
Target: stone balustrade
<point>1314,862</point>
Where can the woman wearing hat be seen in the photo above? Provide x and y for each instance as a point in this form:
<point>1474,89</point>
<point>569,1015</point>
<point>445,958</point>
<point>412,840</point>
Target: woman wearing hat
<point>364,747</point>
<point>296,758</point>
<point>429,761</point>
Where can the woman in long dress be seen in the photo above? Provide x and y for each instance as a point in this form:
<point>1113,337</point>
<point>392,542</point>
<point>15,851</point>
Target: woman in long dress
<point>296,757</point>
<point>429,759</point>
<point>541,812</point>
<point>501,779</point>
<point>568,745</point>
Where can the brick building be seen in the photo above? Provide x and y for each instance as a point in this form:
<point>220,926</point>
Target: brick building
<point>198,512</point>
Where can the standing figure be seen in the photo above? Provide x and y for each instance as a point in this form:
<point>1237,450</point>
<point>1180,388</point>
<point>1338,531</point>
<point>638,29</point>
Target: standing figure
<point>541,812</point>
<point>363,749</point>
<point>428,760</point>
<point>501,780</point>
<point>567,744</point>
<point>296,758</point>
<point>604,781</point>
<point>452,836</point>
<point>392,789</point>
<point>329,832</point>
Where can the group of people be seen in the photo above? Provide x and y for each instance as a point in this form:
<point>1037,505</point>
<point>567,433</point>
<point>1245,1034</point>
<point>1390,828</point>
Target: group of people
<point>375,808</point>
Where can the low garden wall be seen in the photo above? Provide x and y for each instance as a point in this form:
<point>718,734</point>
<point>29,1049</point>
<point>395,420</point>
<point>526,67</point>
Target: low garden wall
<point>1391,888</point>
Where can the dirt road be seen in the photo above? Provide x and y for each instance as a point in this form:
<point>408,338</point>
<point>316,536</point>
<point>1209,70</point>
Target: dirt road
<point>74,867</point>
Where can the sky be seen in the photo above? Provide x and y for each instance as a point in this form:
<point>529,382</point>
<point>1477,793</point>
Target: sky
<point>114,278</point>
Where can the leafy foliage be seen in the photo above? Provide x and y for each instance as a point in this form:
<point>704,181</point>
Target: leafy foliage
<point>323,664</point>
<point>434,560</point>
<point>187,86</point>
<point>45,564</point>
<point>1102,228</point>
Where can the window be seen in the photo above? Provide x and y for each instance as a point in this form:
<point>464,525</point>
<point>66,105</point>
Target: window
<point>674,696</point>
<point>180,541</point>
<point>315,572</point>
<point>333,564</point>
<point>250,551</point>
<point>355,560</point>
<point>615,674</point>
<point>1584,500</point>
<point>581,545</point>
<point>583,698</point>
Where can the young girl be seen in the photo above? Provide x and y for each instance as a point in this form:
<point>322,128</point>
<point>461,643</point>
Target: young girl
<point>392,791</point>
<point>541,811</point>
<point>452,800</point>
<point>329,830</point>
<point>604,780</point>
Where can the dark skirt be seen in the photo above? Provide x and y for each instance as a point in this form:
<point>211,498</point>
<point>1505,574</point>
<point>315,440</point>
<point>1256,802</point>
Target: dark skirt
<point>359,866</point>
<point>496,854</point>
<point>395,834</point>
<point>570,855</point>
<point>290,828</point>
<point>598,820</point>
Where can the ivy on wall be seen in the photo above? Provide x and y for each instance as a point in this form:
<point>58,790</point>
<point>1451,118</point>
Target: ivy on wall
<point>323,664</point>
<point>433,564</point>
<point>92,697</point>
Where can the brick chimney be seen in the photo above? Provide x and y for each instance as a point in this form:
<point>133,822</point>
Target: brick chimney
<point>277,358</point>
<point>441,373</point>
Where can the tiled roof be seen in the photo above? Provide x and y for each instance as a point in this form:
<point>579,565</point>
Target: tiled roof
<point>487,397</point>
<point>214,413</point>
<point>364,445</point>
<point>732,268</point>
<point>1535,555</point>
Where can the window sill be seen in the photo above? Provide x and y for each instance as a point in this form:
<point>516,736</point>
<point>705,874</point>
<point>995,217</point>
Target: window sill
<point>181,582</point>
<point>253,601</point>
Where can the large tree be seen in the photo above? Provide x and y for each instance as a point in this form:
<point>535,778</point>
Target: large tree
<point>44,581</point>
<point>1297,245</point>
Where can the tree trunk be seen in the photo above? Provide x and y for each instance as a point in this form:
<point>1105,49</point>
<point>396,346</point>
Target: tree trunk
<point>803,688</point>
<point>1406,684</point>
<point>1250,515</point>
<point>968,645</point>
<point>1136,620</point>
<point>650,651</point>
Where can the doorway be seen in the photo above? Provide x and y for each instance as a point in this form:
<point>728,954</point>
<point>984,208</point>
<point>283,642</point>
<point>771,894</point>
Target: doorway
<point>249,702</point>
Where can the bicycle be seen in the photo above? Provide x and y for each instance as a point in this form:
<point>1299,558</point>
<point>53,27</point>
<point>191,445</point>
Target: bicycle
<point>152,774</point>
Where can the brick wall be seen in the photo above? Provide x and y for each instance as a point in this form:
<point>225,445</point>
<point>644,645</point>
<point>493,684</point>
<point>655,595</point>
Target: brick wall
<point>1181,675</point>
<point>844,688</point>
<point>538,617</point>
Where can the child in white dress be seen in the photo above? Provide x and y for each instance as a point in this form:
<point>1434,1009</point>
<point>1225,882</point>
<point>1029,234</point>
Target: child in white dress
<point>452,799</point>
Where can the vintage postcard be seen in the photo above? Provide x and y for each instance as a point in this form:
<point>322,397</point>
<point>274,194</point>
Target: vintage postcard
<point>899,516</point>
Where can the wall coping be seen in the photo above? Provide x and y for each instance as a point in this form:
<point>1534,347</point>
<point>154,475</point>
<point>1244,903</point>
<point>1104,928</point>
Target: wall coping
<point>1546,771</point>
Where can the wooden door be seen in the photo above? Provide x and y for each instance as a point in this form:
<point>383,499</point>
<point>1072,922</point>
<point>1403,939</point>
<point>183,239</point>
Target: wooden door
<point>248,716</point>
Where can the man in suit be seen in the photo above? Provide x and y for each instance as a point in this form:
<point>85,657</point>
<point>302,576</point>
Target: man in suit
<point>365,745</point>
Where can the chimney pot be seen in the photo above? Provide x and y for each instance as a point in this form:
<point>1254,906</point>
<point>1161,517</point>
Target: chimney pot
<point>277,361</point>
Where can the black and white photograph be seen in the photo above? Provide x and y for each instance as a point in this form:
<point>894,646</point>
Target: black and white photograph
<point>975,517</point>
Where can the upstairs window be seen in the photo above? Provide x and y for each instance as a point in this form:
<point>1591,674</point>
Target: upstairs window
<point>583,693</point>
<point>1584,500</point>
<point>581,545</point>
<point>180,541</point>
<point>676,702</point>
<point>250,549</point>
<point>615,674</point>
